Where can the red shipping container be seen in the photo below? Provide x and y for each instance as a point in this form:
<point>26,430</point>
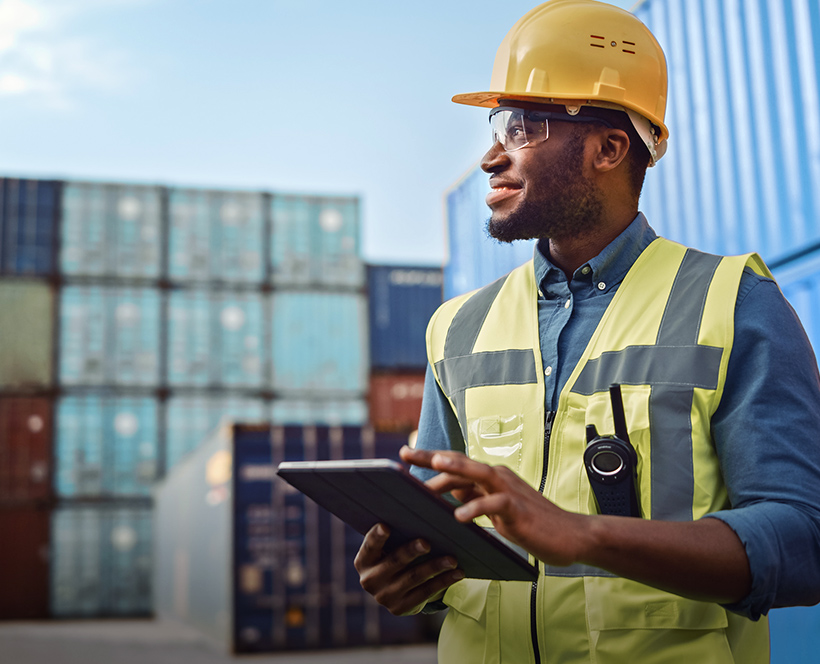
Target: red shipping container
<point>24,569</point>
<point>25,449</point>
<point>395,401</point>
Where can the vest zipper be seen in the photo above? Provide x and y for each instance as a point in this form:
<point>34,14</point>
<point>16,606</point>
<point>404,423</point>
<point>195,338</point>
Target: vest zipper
<point>548,420</point>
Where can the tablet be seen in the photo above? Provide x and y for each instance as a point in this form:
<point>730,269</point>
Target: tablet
<point>364,492</point>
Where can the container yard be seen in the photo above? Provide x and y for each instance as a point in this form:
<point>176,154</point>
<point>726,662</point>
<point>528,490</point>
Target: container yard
<point>143,320</point>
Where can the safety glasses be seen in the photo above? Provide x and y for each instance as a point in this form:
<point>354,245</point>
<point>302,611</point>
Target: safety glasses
<point>516,128</point>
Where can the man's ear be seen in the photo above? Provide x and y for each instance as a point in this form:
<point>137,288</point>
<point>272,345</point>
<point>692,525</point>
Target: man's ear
<point>611,147</point>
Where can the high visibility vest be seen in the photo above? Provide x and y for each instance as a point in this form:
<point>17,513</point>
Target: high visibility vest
<point>666,338</point>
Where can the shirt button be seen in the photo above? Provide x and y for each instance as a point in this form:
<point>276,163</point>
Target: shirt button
<point>548,371</point>
<point>541,295</point>
<point>586,269</point>
<point>567,304</point>
<point>601,285</point>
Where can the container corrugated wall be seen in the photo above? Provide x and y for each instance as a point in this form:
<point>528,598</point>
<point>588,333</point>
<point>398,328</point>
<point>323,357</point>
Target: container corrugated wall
<point>111,230</point>
<point>109,335</point>
<point>29,213</point>
<point>475,259</point>
<point>319,343</point>
<point>101,561</point>
<point>106,446</point>
<point>743,168</point>
<point>216,236</point>
<point>402,300</point>
<point>395,400</point>
<point>315,241</point>
<point>25,449</point>
<point>27,334</point>
<point>24,560</point>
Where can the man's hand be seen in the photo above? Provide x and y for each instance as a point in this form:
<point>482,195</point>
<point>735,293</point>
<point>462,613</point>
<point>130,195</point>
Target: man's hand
<point>395,581</point>
<point>518,511</point>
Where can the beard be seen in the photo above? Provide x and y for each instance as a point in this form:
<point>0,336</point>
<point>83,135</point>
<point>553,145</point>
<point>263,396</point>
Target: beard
<point>561,202</point>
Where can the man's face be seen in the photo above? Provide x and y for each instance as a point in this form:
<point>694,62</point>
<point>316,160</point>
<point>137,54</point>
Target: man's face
<point>541,190</point>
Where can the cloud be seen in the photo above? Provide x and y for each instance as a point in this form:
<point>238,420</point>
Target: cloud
<point>43,63</point>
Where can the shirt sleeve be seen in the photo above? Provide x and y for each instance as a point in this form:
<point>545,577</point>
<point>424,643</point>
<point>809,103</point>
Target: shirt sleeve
<point>766,436</point>
<point>438,426</point>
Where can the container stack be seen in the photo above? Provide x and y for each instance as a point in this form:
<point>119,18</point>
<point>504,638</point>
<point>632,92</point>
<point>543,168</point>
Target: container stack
<point>28,245</point>
<point>402,299</point>
<point>136,318</point>
<point>292,584</point>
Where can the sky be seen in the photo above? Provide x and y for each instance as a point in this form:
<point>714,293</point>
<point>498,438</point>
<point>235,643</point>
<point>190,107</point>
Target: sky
<point>309,96</point>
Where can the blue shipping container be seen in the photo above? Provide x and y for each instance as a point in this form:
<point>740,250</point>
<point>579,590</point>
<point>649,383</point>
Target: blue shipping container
<point>101,561</point>
<point>105,446</point>
<point>343,412</point>
<point>315,241</point>
<point>216,236</point>
<point>402,300</point>
<point>216,338</point>
<point>29,215</point>
<point>112,230</point>
<point>109,335</point>
<point>751,183</point>
<point>319,344</point>
<point>475,259</point>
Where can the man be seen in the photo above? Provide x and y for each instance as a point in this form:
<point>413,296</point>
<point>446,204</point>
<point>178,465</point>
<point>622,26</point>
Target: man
<point>720,386</point>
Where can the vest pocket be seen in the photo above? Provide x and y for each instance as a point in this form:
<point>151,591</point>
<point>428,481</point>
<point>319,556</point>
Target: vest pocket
<point>497,440</point>
<point>470,632</point>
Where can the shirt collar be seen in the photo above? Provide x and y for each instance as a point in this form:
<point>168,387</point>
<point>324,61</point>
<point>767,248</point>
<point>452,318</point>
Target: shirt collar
<point>608,268</point>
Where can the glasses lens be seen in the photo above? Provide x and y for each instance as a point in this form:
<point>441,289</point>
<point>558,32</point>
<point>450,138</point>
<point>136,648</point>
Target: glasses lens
<point>514,129</point>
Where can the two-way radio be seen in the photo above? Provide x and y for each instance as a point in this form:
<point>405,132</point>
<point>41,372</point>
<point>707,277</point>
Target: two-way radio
<point>612,464</point>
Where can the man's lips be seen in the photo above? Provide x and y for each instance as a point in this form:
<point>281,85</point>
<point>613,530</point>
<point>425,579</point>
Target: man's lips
<point>500,192</point>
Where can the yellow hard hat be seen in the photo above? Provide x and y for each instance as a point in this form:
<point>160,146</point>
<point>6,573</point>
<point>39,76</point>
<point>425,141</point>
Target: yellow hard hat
<point>583,52</point>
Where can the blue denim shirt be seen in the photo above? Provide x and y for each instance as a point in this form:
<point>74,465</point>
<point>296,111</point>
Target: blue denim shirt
<point>766,430</point>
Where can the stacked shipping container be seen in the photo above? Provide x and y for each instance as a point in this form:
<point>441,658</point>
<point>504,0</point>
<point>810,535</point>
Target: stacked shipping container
<point>401,299</point>
<point>136,318</point>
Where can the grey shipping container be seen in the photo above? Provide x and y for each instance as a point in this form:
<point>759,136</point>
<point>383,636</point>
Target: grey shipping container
<point>27,333</point>
<point>111,230</point>
<point>401,300</point>
<point>106,446</point>
<point>315,241</point>
<point>101,561</point>
<point>474,258</point>
<point>253,564</point>
<point>216,236</point>
<point>29,217</point>
<point>109,335</point>
<point>742,172</point>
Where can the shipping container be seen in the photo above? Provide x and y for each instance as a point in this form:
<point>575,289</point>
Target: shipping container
<point>321,412</point>
<point>101,561</point>
<point>27,333</point>
<point>190,419</point>
<point>25,449</point>
<point>319,344</point>
<point>395,400</point>
<point>315,241</point>
<point>24,563</point>
<point>216,236</point>
<point>109,335</point>
<point>474,258</point>
<point>111,230</point>
<point>29,218</point>
<point>752,183</point>
<point>402,300</point>
<point>292,583</point>
<point>106,446</point>
<point>216,337</point>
